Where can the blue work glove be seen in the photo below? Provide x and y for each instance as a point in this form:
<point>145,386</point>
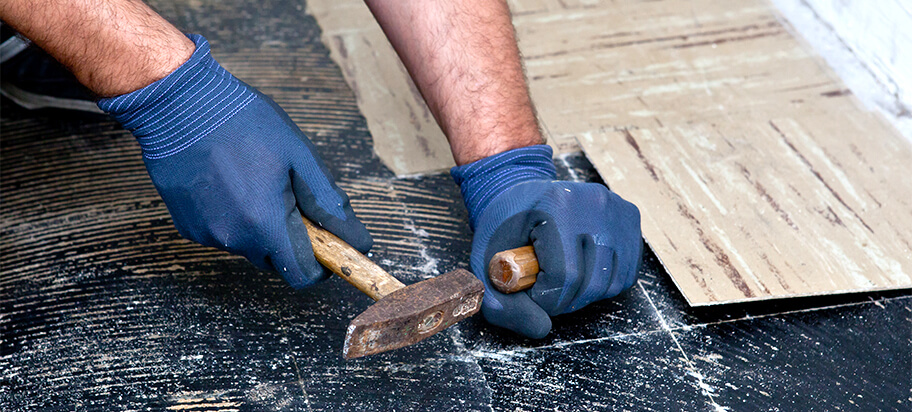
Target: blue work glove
<point>587,239</point>
<point>234,170</point>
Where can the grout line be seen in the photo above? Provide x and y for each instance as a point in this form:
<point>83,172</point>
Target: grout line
<point>704,388</point>
<point>582,341</point>
<point>662,322</point>
<point>294,361</point>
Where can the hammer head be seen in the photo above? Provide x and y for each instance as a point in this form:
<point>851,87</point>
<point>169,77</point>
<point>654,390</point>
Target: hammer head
<point>413,313</point>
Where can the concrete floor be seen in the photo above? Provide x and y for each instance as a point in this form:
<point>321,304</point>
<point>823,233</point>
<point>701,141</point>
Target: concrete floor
<point>104,306</point>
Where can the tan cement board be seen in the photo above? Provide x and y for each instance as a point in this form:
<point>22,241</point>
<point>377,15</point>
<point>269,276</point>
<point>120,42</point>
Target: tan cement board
<point>758,175</point>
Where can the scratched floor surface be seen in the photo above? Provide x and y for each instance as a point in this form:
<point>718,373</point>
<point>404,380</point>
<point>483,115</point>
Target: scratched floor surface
<point>103,306</point>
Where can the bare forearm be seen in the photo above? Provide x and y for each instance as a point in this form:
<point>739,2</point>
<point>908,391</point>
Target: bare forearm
<point>112,46</point>
<point>463,57</point>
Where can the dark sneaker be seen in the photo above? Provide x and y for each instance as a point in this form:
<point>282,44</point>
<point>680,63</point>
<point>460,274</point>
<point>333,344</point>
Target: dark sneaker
<point>34,80</point>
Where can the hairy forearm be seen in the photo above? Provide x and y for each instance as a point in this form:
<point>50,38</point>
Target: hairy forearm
<point>463,57</point>
<point>112,46</point>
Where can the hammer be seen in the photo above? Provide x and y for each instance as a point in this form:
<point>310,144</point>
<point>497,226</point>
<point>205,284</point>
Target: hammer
<point>402,315</point>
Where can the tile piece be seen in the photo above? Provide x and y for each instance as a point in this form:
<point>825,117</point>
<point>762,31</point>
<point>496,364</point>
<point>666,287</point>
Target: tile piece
<point>758,210</point>
<point>758,174</point>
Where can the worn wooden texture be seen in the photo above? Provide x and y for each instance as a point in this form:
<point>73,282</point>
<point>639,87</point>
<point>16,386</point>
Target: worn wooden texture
<point>349,264</point>
<point>406,136</point>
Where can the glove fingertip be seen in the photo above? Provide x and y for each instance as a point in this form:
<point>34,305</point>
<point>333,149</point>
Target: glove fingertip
<point>521,315</point>
<point>537,328</point>
<point>355,234</point>
<point>299,273</point>
<point>338,218</point>
<point>295,279</point>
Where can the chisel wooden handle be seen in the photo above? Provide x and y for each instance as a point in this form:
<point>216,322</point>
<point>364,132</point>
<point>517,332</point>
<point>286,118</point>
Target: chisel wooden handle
<point>350,264</point>
<point>513,270</point>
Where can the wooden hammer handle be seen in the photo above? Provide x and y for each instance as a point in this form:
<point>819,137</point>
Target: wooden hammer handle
<point>513,270</point>
<point>349,264</point>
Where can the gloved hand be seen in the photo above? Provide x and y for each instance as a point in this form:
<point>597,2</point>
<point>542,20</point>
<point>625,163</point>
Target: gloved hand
<point>233,168</point>
<point>587,239</point>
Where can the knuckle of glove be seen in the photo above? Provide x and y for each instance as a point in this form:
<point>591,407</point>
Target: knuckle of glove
<point>599,228</point>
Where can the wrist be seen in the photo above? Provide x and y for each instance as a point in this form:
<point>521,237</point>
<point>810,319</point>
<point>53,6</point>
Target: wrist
<point>483,180</point>
<point>467,151</point>
<point>137,66</point>
<point>176,111</point>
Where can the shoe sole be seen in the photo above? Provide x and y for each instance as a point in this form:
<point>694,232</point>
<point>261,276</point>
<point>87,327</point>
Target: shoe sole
<point>34,101</point>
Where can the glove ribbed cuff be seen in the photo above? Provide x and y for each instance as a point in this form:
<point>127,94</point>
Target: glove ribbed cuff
<point>481,181</point>
<point>173,113</point>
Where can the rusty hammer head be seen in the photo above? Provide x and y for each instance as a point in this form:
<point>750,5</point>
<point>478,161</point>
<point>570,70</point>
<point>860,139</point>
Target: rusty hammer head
<point>413,313</point>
